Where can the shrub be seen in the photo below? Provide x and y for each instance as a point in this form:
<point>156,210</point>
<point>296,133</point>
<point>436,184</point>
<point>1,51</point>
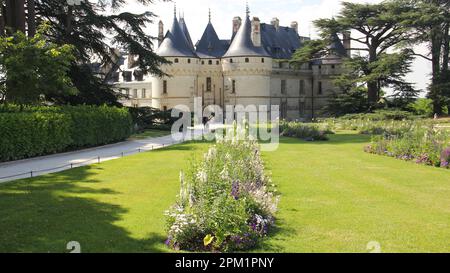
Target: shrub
<point>226,202</point>
<point>33,131</point>
<point>306,131</point>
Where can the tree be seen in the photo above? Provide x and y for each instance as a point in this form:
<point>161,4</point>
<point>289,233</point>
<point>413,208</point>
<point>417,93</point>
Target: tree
<point>31,18</point>
<point>431,23</point>
<point>32,69</point>
<point>377,30</point>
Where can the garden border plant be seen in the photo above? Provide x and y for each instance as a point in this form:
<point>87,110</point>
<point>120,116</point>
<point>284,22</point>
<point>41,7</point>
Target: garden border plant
<point>226,203</point>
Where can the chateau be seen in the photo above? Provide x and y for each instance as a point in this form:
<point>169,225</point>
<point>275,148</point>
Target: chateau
<point>251,68</point>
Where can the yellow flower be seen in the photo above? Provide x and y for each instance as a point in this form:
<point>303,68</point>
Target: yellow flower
<point>208,239</point>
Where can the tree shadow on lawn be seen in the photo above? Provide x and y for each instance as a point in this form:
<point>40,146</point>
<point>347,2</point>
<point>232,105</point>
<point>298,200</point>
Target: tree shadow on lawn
<point>276,238</point>
<point>44,214</point>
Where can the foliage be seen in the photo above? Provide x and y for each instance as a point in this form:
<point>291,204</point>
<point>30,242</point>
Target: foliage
<point>34,69</point>
<point>422,107</point>
<point>305,131</point>
<point>226,202</point>
<point>151,118</point>
<point>33,131</point>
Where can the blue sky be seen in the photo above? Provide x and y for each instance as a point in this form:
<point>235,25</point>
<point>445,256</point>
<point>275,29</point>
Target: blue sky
<point>223,11</point>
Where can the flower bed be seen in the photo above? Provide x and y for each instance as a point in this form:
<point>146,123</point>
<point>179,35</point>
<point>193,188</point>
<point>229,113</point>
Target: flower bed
<point>305,131</point>
<point>422,144</point>
<point>226,202</point>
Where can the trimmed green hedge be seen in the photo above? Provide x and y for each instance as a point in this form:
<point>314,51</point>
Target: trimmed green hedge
<point>34,131</point>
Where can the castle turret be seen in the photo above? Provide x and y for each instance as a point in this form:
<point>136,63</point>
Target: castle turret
<point>247,67</point>
<point>179,87</point>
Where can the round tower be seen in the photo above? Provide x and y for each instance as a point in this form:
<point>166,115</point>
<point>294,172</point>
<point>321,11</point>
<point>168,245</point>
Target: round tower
<point>247,67</point>
<point>179,87</point>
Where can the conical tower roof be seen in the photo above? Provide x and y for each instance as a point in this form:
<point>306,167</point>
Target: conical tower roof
<point>210,45</point>
<point>242,44</point>
<point>185,30</point>
<point>175,43</point>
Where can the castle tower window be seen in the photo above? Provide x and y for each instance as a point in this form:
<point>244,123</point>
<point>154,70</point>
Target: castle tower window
<point>302,87</point>
<point>135,94</point>
<point>231,60</point>
<point>138,75</point>
<point>127,92</point>
<point>164,87</point>
<point>208,84</point>
<point>247,60</point>
<point>189,61</point>
<point>262,60</point>
<point>283,87</point>
<point>217,62</point>
<point>210,62</point>
<point>233,86</point>
<point>320,91</point>
<point>320,67</point>
<point>176,60</point>
<point>165,108</point>
<point>126,76</point>
<point>144,93</point>
<point>203,62</point>
<point>333,66</point>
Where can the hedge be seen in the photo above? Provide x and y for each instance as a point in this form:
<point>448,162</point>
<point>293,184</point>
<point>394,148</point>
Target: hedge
<point>34,131</point>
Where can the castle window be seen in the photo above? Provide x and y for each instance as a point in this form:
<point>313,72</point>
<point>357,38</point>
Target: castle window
<point>127,92</point>
<point>210,62</point>
<point>302,87</point>
<point>126,76</point>
<point>283,87</point>
<point>203,62</point>
<point>176,60</point>
<point>247,60</point>
<point>320,67</point>
<point>164,87</point>
<point>135,95</point>
<point>262,60</point>
<point>189,61</point>
<point>231,60</point>
<point>301,108</point>
<point>333,66</point>
<point>144,93</point>
<point>138,75</point>
<point>208,84</point>
<point>233,84</point>
<point>320,91</point>
<point>165,108</point>
<point>217,62</point>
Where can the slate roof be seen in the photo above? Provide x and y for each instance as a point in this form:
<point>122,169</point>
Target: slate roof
<point>185,30</point>
<point>336,46</point>
<point>242,44</point>
<point>175,43</point>
<point>210,46</point>
<point>281,43</point>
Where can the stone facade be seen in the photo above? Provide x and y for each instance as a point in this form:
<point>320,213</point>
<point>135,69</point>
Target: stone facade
<point>250,69</point>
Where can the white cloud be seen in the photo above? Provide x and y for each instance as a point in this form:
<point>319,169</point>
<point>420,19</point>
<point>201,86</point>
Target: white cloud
<point>303,11</point>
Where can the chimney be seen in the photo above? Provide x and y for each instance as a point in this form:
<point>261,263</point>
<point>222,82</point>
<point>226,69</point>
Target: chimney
<point>275,22</point>
<point>256,32</point>
<point>294,25</point>
<point>160,33</point>
<point>237,21</point>
<point>347,42</point>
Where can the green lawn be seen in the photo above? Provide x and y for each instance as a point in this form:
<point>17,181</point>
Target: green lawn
<point>335,198</point>
<point>149,133</point>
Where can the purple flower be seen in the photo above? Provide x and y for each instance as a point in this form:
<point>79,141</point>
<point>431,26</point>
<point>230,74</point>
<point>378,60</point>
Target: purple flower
<point>235,190</point>
<point>445,158</point>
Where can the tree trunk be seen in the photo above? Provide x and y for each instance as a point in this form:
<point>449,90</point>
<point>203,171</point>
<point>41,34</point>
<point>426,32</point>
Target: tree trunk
<point>69,23</point>
<point>31,18</point>
<point>15,15</point>
<point>372,86</point>
<point>436,50</point>
<point>2,18</point>
<point>20,15</point>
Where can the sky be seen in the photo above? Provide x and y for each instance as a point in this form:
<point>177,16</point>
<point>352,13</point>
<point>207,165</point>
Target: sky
<point>222,12</point>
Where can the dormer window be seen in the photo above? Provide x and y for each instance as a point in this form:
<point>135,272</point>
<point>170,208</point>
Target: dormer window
<point>126,76</point>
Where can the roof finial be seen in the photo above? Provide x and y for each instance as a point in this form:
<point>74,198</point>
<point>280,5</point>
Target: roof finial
<point>209,15</point>
<point>175,10</point>
<point>247,9</point>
